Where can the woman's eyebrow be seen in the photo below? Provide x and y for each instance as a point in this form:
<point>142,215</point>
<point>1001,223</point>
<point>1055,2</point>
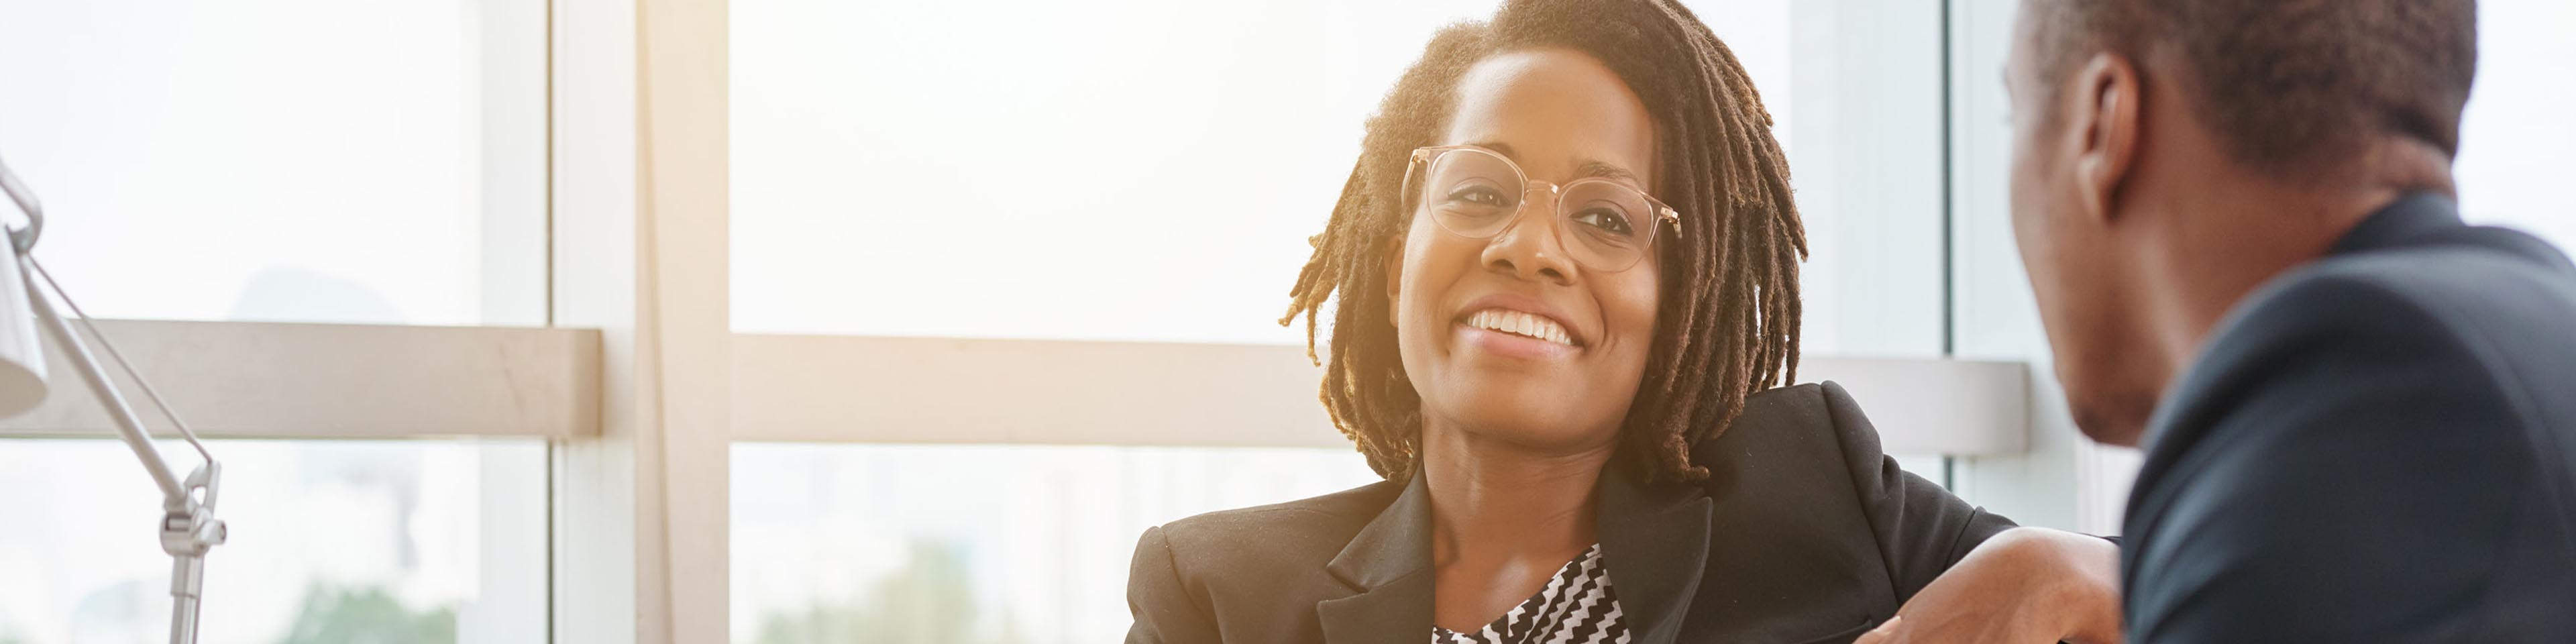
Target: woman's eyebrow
<point>1588,167</point>
<point>1602,169</point>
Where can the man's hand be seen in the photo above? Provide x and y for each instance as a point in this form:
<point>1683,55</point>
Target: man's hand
<point>2024,585</point>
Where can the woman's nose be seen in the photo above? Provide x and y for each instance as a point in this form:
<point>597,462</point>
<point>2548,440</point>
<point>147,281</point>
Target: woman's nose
<point>1529,248</point>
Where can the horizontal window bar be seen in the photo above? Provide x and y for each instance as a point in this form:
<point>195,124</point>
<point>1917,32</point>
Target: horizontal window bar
<point>287,380</point>
<point>281,380</point>
<point>807,388</point>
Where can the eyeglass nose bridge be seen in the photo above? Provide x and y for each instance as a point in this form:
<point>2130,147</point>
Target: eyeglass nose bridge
<point>1521,214</point>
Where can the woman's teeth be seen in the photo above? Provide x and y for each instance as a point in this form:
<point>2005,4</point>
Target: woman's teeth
<point>1520,324</point>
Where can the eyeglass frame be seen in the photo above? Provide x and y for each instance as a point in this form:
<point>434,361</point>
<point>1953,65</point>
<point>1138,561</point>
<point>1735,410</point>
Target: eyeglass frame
<point>1664,215</point>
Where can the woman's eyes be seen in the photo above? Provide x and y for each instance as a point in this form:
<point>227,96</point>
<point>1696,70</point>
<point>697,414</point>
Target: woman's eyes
<point>1607,220</point>
<point>1478,195</point>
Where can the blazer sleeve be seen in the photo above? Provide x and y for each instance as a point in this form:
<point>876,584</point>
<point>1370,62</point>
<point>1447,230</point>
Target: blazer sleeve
<point>1164,608</point>
<point>1921,528</point>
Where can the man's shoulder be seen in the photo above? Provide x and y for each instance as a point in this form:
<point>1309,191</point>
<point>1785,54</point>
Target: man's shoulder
<point>2455,353</point>
<point>2475,281</point>
<point>2376,433</point>
<point>2498,314</point>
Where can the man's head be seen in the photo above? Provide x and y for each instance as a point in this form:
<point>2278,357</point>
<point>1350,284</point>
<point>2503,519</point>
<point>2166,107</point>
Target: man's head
<point>2169,155</point>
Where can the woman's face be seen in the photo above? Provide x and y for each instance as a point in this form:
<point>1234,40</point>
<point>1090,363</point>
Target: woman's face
<point>1561,115</point>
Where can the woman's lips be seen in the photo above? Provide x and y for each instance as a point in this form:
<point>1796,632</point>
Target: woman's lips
<point>1516,334</point>
<point>1519,323</point>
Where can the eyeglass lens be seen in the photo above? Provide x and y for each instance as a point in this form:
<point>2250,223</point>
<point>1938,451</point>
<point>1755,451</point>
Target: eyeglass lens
<point>1605,225</point>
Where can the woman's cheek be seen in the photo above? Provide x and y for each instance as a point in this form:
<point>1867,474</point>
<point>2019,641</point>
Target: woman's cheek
<point>1632,309</point>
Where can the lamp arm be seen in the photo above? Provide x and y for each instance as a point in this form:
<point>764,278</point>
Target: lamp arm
<point>188,526</point>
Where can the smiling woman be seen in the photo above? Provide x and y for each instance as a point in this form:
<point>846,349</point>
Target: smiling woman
<point>1564,281</point>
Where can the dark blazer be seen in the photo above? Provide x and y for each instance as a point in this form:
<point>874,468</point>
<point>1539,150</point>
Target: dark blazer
<point>2373,447</point>
<point>1803,532</point>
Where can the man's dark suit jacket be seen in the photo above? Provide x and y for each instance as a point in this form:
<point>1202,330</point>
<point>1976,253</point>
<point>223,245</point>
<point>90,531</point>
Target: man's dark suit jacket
<point>2373,447</point>
<point>1804,532</point>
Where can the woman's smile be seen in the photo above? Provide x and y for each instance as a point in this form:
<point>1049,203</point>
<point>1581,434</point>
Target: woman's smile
<point>1516,328</point>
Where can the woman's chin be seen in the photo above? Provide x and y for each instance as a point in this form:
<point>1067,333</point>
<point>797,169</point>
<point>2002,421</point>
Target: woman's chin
<point>1534,429</point>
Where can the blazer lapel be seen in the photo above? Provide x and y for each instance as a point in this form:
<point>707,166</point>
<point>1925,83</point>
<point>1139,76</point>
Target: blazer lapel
<point>1654,539</point>
<point>1389,563</point>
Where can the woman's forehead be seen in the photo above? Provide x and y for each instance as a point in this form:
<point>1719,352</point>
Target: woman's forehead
<point>1561,114</point>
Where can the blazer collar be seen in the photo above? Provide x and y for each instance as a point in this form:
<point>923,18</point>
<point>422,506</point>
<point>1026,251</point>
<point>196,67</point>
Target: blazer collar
<point>2406,220</point>
<point>1654,538</point>
<point>1389,563</point>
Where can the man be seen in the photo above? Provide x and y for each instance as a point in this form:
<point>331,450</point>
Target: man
<point>2359,413</point>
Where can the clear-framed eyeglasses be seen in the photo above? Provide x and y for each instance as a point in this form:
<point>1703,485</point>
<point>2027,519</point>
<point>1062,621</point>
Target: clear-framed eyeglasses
<point>1606,226</point>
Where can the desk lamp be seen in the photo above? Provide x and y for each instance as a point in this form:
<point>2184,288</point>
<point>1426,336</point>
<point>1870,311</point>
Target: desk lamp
<point>188,524</point>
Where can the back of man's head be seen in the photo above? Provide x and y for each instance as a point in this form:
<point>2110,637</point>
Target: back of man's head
<point>2174,154</point>
<point>2289,86</point>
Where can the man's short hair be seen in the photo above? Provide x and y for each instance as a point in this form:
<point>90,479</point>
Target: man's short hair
<point>2290,86</point>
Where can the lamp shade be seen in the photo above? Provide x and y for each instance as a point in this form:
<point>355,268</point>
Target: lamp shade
<point>22,359</point>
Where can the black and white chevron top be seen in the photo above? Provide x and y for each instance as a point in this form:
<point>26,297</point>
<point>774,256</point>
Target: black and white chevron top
<point>1576,607</point>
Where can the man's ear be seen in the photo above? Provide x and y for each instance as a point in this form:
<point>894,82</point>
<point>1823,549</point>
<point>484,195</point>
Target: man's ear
<point>2103,108</point>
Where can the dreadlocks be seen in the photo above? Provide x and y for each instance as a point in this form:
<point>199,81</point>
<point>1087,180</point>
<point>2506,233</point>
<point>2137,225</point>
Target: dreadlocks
<point>1727,322</point>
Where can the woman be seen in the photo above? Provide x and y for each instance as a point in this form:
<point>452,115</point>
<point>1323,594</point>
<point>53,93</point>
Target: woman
<point>1565,264</point>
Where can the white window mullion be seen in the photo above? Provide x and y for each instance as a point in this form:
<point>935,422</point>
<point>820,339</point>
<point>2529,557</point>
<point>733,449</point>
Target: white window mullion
<point>602,584</point>
<point>640,253</point>
<point>685,142</point>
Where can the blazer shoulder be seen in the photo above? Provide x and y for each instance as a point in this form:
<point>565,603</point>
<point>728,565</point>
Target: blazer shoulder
<point>2487,286</point>
<point>2491,315</point>
<point>1306,532</point>
<point>1809,436</point>
<point>1808,418</point>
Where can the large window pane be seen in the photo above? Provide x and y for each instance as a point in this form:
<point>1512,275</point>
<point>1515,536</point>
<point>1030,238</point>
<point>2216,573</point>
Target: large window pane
<point>298,160</point>
<point>1133,170</point>
<point>2518,148</point>
<point>357,541</point>
<point>1151,169</point>
<point>955,544</point>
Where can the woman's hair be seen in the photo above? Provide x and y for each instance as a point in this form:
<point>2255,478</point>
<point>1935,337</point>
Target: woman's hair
<point>1727,321</point>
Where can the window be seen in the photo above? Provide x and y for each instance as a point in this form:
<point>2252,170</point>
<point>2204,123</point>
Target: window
<point>2514,148</point>
<point>1170,159</point>
<point>982,543</point>
<point>1166,160</point>
<point>296,161</point>
<point>434,541</point>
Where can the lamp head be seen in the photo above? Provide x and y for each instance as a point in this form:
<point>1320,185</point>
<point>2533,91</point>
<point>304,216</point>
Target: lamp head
<point>22,358</point>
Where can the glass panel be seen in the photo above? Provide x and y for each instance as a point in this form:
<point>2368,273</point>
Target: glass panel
<point>303,160</point>
<point>1052,177</point>
<point>953,544</point>
<point>2516,139</point>
<point>372,541</point>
